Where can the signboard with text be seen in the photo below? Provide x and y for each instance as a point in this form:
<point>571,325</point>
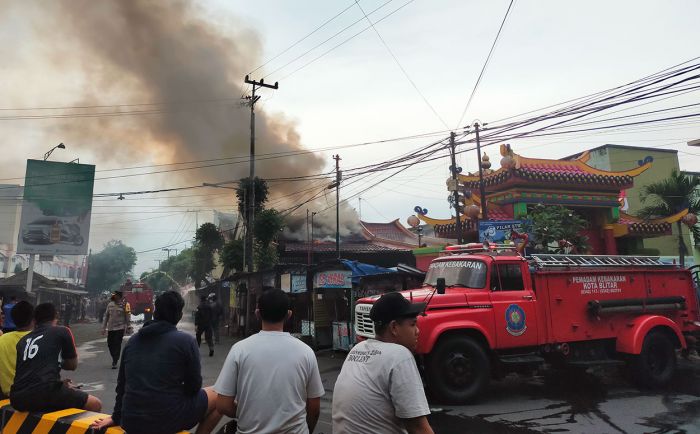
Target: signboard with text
<point>341,279</point>
<point>497,231</point>
<point>56,208</point>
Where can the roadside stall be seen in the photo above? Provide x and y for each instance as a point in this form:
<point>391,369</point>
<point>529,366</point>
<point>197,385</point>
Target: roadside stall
<point>335,287</point>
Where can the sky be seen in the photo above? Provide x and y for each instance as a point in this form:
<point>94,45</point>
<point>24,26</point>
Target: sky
<point>76,54</point>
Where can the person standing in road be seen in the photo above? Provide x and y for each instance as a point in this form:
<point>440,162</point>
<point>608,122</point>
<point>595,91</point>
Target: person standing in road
<point>159,386</point>
<point>202,322</point>
<point>7,324</point>
<point>67,313</point>
<point>270,381</point>
<point>23,316</point>
<point>117,320</point>
<point>379,388</point>
<point>217,312</point>
<point>41,354</point>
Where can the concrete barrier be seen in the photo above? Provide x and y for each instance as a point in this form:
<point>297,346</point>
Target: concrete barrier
<point>69,421</point>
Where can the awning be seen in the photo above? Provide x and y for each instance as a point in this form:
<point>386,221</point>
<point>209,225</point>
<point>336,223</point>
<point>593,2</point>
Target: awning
<point>360,269</point>
<point>63,290</point>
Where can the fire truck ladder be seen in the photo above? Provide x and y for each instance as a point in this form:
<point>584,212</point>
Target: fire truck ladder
<point>549,261</point>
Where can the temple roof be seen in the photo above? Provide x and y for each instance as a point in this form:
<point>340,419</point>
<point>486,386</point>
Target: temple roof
<point>391,231</point>
<point>631,225</point>
<point>538,170</point>
<point>394,234</point>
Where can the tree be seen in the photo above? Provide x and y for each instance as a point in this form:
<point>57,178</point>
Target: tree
<point>265,257</point>
<point>671,196</point>
<point>202,264</point>
<point>207,241</point>
<point>108,269</point>
<point>232,255</point>
<point>268,224</point>
<point>209,237</point>
<point>261,193</point>
<point>550,224</point>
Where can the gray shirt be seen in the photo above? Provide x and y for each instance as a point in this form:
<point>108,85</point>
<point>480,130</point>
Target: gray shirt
<point>378,386</point>
<point>271,374</point>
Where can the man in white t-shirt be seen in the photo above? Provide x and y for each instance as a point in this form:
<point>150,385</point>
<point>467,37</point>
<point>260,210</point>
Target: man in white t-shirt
<point>379,389</point>
<point>270,381</point>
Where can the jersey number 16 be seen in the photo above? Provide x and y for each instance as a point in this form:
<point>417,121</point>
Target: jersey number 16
<point>31,348</point>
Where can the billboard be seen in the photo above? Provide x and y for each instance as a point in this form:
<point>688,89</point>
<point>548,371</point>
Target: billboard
<point>56,208</point>
<point>497,231</point>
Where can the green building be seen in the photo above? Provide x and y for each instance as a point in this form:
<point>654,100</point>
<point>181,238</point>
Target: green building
<point>664,161</point>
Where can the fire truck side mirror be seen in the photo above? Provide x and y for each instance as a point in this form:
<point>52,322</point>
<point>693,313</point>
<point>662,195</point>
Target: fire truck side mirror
<point>440,285</point>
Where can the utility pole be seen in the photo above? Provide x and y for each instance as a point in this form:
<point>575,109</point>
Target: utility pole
<point>338,176</point>
<point>482,190</point>
<point>169,250</point>
<point>453,169</point>
<point>250,208</point>
<point>359,200</point>
<point>308,240</point>
<point>311,252</point>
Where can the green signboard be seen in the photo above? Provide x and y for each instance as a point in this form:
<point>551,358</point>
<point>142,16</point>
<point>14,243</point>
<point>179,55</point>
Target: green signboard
<point>56,208</point>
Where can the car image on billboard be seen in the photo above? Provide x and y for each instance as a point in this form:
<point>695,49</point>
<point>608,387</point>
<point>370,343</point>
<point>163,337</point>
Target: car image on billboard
<point>56,208</point>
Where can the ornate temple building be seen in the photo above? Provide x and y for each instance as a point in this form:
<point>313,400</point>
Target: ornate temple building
<point>521,183</point>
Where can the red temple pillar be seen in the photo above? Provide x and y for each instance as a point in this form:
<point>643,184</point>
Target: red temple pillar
<point>609,239</point>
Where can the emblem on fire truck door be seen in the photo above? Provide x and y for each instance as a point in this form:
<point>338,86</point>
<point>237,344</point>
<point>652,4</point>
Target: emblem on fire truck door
<point>515,320</point>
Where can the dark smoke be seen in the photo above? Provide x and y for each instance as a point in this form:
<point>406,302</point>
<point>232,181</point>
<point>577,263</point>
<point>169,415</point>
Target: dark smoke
<point>173,52</point>
<point>166,51</point>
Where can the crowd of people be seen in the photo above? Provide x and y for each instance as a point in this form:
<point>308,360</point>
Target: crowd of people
<point>270,382</point>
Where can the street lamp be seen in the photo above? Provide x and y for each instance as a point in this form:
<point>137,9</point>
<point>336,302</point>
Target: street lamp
<point>59,146</point>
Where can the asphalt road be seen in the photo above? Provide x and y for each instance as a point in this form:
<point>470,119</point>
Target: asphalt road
<point>549,402</point>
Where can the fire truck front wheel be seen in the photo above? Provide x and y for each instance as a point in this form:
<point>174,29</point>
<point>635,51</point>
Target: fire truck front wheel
<point>656,364</point>
<point>458,369</point>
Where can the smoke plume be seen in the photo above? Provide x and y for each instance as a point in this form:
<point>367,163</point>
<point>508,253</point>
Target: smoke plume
<point>176,53</point>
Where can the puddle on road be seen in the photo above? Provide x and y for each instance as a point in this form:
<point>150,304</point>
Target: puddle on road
<point>576,400</point>
<point>448,423</point>
<point>89,350</point>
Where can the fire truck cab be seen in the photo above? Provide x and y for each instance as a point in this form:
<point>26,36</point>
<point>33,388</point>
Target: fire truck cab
<point>492,311</point>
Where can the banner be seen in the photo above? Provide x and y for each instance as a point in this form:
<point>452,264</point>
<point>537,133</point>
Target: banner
<point>497,231</point>
<point>56,208</point>
<point>333,279</point>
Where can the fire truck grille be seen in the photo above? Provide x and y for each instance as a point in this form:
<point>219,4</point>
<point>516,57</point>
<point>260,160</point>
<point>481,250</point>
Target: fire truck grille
<point>363,324</point>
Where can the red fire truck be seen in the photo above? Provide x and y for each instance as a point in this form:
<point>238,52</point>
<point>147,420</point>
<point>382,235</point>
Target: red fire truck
<point>491,311</point>
<point>140,298</point>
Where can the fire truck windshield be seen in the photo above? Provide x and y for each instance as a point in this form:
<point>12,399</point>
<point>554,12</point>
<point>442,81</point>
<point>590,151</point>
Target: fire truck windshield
<point>467,273</point>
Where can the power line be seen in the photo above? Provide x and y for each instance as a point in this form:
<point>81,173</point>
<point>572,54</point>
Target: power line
<point>403,70</point>
<point>346,40</point>
<point>488,59</point>
<point>241,159</point>
<point>303,39</point>
<point>325,41</point>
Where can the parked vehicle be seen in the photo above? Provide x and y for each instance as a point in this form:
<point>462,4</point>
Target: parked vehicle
<point>140,297</point>
<point>491,311</point>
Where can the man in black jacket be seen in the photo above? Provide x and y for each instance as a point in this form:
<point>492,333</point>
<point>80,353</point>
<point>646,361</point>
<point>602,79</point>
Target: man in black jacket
<point>203,319</point>
<point>159,387</point>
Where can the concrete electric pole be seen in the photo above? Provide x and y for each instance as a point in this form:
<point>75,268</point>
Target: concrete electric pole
<point>250,205</point>
<point>455,172</point>
<point>338,176</point>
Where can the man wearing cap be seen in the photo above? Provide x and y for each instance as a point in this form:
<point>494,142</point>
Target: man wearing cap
<point>117,320</point>
<point>379,388</point>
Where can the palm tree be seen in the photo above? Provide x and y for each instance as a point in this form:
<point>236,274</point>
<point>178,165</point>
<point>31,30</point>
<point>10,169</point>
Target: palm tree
<point>670,196</point>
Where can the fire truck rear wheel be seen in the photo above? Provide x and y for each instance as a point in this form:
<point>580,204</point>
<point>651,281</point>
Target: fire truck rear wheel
<point>656,364</point>
<point>458,369</point>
